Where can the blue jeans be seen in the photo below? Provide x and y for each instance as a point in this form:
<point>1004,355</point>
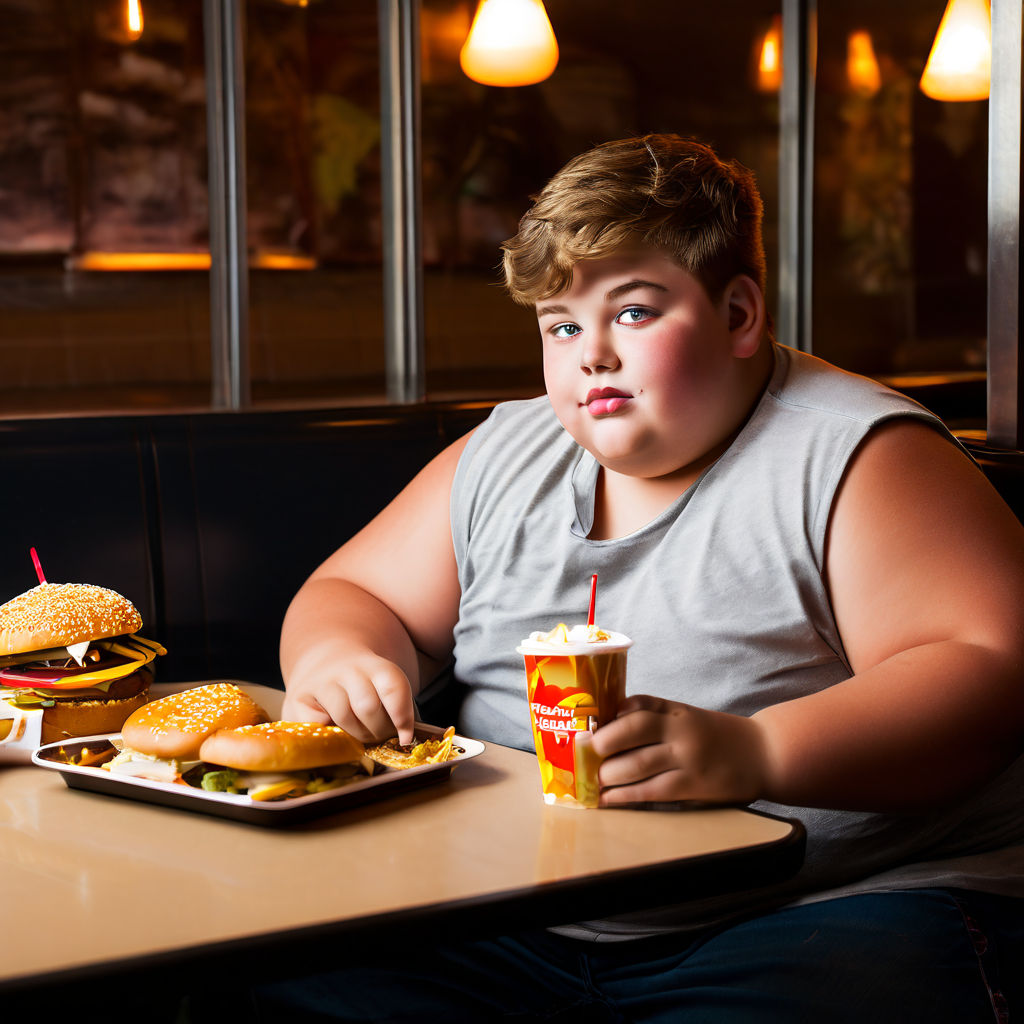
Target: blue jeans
<point>928,956</point>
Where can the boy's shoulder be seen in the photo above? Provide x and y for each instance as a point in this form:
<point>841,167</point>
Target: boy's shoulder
<point>520,448</point>
<point>529,419</point>
<point>806,382</point>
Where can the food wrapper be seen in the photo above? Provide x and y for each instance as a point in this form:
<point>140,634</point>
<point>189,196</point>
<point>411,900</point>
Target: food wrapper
<point>20,732</point>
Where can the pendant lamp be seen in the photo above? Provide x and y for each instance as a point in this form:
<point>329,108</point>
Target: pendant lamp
<point>510,43</point>
<point>133,19</point>
<point>960,64</point>
<point>862,70</point>
<point>769,59</point>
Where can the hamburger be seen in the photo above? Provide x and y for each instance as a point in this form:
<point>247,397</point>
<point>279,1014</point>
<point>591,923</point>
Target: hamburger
<point>161,740</point>
<point>73,650</point>
<point>275,760</point>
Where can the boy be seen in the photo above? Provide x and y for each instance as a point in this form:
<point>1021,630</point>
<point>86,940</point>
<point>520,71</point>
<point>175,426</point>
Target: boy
<point>825,597</point>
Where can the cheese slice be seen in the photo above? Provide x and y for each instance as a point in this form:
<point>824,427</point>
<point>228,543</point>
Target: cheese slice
<point>145,766</point>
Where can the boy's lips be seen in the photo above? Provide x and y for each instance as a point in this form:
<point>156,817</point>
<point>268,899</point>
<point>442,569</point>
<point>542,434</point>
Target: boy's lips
<point>603,401</point>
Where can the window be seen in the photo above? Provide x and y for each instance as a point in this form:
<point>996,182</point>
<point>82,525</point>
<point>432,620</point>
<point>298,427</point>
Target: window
<point>623,69</point>
<point>106,204</point>
<point>900,199</point>
<point>312,101</point>
<point>102,179</point>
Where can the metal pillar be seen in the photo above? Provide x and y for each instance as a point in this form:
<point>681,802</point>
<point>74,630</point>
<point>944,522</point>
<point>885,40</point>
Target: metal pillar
<point>1005,364</point>
<point>400,183</point>
<point>796,173</point>
<point>229,261</point>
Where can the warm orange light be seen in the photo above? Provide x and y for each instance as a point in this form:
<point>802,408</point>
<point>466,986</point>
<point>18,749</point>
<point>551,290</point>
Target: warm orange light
<point>862,69</point>
<point>960,64</point>
<point>133,18</point>
<point>510,43</point>
<point>271,259</point>
<point>261,259</point>
<point>140,261</point>
<point>769,62</point>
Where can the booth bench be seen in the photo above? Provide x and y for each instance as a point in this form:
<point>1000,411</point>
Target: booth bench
<point>209,522</point>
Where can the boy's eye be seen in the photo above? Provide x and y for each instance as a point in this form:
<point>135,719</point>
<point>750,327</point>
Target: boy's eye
<point>565,330</point>
<point>634,315</point>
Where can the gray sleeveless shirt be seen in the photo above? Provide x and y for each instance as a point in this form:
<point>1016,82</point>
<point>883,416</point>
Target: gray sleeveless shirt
<point>724,598</point>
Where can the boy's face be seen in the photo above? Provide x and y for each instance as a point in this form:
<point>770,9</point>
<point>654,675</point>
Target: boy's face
<point>642,369</point>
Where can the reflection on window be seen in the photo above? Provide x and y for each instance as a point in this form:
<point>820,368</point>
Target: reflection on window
<point>623,69</point>
<point>314,205</point>
<point>103,194</point>
<point>900,202</point>
<point>102,164</point>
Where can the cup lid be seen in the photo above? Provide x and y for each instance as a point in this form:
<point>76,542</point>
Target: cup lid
<point>537,645</point>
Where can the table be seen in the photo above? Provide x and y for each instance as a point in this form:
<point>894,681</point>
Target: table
<point>94,888</point>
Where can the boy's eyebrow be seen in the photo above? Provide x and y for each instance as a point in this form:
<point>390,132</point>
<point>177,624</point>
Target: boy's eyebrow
<point>618,291</point>
<point>559,310</point>
<point>622,289</point>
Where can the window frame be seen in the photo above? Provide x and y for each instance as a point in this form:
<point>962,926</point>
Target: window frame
<point>399,35</point>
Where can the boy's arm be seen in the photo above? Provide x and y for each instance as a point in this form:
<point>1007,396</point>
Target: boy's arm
<point>376,618</point>
<point>925,567</point>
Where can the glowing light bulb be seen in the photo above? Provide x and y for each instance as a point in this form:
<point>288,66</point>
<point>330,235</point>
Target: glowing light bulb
<point>960,64</point>
<point>133,18</point>
<point>769,61</point>
<point>861,64</point>
<point>510,43</point>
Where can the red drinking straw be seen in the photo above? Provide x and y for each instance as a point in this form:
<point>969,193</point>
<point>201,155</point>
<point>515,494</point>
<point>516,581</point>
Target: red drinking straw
<point>36,563</point>
<point>593,599</point>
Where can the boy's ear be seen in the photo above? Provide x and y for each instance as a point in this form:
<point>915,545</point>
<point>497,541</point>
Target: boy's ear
<point>747,315</point>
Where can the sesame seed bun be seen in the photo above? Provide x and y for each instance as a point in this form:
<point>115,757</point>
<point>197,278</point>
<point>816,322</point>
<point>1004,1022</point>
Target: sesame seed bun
<point>59,614</point>
<point>176,726</point>
<point>281,747</point>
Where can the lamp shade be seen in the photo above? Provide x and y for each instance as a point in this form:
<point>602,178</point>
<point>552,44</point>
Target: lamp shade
<point>510,43</point>
<point>769,59</point>
<point>960,64</point>
<point>133,19</point>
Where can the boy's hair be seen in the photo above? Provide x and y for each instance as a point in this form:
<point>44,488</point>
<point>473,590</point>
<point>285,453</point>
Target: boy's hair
<point>665,191</point>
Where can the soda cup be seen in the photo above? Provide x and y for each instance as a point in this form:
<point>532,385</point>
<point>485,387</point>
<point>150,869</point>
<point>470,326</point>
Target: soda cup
<point>575,681</point>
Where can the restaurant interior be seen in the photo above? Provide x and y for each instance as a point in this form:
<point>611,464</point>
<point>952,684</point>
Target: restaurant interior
<point>248,251</point>
<point>249,286</point>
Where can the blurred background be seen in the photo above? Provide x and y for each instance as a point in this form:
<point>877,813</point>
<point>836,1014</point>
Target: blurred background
<point>105,283</point>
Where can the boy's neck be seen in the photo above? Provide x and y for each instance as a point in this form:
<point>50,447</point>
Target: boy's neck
<point>623,504</point>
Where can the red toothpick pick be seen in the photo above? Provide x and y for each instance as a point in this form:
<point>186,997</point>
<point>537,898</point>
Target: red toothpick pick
<point>37,564</point>
<point>593,599</point>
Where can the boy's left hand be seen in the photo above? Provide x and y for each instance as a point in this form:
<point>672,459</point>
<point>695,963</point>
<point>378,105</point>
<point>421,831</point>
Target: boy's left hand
<point>660,750</point>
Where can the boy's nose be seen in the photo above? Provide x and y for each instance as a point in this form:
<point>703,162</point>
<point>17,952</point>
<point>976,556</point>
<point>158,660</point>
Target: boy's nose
<point>597,354</point>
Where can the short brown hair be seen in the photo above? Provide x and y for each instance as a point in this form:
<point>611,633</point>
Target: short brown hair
<point>665,191</point>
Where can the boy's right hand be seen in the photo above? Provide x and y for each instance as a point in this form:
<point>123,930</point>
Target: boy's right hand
<point>367,695</point>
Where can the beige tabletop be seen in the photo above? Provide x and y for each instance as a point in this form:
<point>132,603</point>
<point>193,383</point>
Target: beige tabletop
<point>90,883</point>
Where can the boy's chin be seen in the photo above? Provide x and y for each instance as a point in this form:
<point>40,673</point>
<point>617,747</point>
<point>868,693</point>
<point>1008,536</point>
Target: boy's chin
<point>629,462</point>
<point>642,464</point>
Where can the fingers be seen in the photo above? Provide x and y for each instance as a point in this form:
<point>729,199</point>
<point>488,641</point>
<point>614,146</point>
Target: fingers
<point>658,750</point>
<point>641,720</point>
<point>371,699</point>
<point>639,763</point>
<point>382,704</point>
<point>303,708</point>
<point>666,787</point>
